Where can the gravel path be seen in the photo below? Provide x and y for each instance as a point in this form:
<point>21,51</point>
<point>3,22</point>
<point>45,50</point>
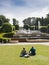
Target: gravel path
<point>24,43</point>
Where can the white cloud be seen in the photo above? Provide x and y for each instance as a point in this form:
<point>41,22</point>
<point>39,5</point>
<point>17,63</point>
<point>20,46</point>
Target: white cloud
<point>21,12</point>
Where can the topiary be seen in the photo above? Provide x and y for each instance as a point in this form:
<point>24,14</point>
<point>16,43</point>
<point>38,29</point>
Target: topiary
<point>6,28</point>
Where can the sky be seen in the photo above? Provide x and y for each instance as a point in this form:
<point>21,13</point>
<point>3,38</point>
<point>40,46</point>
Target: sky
<point>21,9</point>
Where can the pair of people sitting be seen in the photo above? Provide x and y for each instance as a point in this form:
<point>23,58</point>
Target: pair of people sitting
<point>32,52</point>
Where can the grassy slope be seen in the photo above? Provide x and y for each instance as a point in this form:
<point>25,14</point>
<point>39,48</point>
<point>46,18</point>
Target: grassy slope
<point>9,55</point>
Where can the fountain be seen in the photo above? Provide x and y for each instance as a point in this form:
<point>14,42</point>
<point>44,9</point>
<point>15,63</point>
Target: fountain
<point>30,35</point>
<point>38,25</point>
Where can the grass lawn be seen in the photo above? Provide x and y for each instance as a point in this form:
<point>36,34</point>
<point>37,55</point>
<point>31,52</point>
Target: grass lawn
<point>9,55</point>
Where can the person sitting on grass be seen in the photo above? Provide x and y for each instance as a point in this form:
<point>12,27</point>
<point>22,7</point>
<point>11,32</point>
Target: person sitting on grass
<point>23,53</point>
<point>32,51</point>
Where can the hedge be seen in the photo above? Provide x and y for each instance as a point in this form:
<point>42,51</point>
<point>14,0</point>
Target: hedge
<point>0,29</point>
<point>43,29</point>
<point>7,28</point>
<point>31,27</point>
<point>9,35</point>
<point>5,40</point>
<point>48,28</point>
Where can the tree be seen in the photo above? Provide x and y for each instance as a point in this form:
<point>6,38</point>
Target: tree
<point>15,22</point>
<point>26,26</point>
<point>47,16</point>
<point>30,21</point>
<point>3,20</point>
<point>7,20</point>
<point>16,27</point>
<point>47,19</point>
<point>31,27</point>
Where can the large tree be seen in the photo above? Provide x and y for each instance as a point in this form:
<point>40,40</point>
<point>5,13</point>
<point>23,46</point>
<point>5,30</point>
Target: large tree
<point>3,20</point>
<point>47,16</point>
<point>30,21</point>
<point>15,23</point>
<point>47,19</point>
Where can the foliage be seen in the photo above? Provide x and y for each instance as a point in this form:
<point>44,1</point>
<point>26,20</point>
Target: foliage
<point>43,29</point>
<point>48,28</point>
<point>0,29</point>
<point>16,27</point>
<point>5,40</point>
<point>47,16</point>
<point>26,26</point>
<point>3,20</point>
<point>9,35</point>
<point>34,22</point>
<point>47,19</point>
<point>15,22</point>
<point>30,21</point>
<point>7,27</point>
<point>13,28</point>
<point>31,27</point>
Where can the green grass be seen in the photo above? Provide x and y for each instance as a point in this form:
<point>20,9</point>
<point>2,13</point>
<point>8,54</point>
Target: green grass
<point>9,55</point>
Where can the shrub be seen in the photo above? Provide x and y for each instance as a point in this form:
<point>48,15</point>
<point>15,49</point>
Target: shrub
<point>6,28</point>
<point>43,29</point>
<point>1,40</point>
<point>31,27</point>
<point>9,35</point>
<point>5,40</point>
<point>48,28</point>
<point>0,30</point>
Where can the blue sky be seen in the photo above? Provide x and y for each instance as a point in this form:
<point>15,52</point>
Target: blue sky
<point>21,9</point>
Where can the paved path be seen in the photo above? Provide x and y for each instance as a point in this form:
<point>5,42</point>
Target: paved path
<point>24,43</point>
